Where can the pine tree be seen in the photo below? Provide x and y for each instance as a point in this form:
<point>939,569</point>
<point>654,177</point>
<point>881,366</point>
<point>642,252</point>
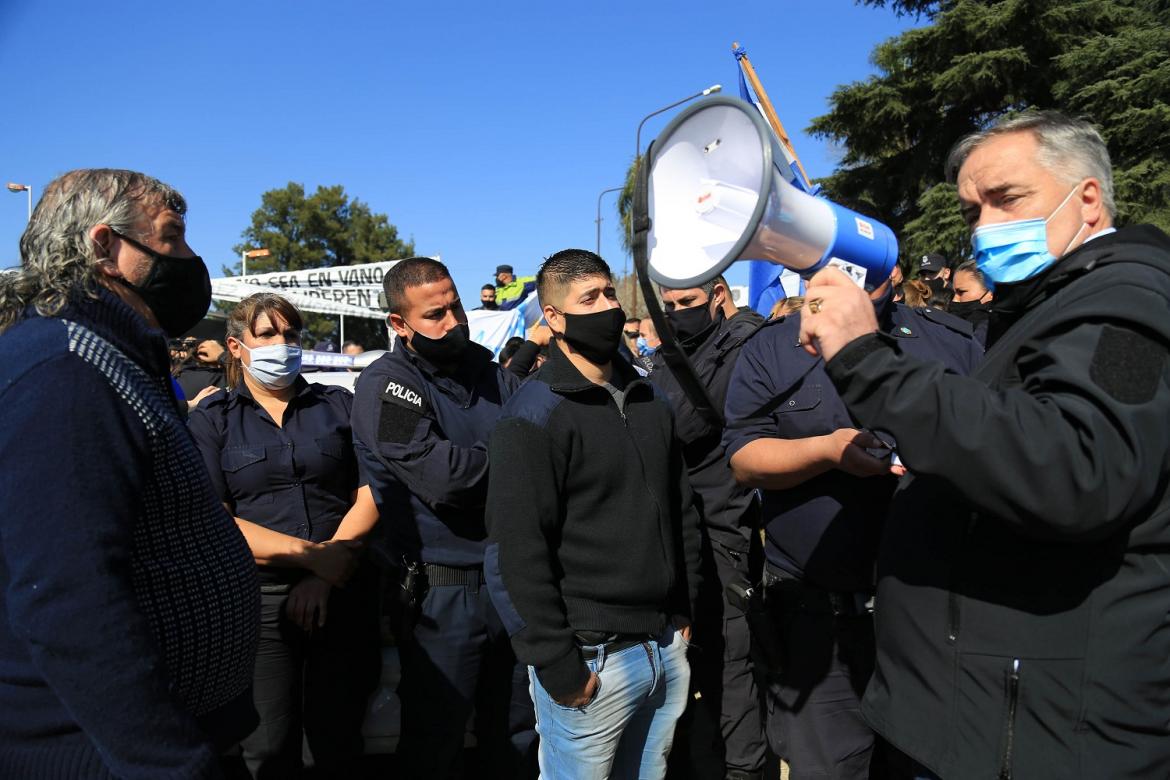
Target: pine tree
<point>975,60</point>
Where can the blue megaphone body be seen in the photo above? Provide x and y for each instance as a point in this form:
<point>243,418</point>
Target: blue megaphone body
<point>718,193</point>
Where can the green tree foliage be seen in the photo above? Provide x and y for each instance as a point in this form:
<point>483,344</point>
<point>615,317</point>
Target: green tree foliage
<point>321,230</point>
<point>974,60</point>
<point>625,204</point>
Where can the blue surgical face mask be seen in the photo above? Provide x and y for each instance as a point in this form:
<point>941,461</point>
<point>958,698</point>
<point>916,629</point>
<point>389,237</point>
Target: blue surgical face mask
<point>1017,250</point>
<point>275,366</point>
<point>644,348</point>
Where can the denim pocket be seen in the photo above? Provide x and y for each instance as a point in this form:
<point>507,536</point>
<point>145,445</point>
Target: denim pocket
<point>592,699</point>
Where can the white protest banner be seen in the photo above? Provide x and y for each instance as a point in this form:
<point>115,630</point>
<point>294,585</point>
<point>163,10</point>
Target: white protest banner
<point>350,290</point>
<point>492,329</point>
<point>233,289</point>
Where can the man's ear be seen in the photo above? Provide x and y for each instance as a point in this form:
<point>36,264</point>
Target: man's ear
<point>102,237</point>
<point>719,292</point>
<point>398,325</point>
<point>1092,208</point>
<point>553,317</point>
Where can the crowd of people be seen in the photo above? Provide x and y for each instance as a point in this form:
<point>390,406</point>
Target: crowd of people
<point>850,539</point>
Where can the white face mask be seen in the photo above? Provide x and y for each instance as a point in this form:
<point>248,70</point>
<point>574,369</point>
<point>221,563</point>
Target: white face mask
<point>275,366</point>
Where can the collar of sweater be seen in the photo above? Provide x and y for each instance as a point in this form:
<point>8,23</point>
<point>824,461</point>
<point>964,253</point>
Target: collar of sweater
<point>110,317</point>
<point>563,377</point>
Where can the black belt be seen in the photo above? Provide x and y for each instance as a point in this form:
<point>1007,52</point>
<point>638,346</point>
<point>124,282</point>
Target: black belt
<point>798,594</point>
<point>437,574</point>
<point>622,642</point>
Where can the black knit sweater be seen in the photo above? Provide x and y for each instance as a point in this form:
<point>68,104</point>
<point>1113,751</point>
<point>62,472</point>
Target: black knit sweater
<point>590,518</point>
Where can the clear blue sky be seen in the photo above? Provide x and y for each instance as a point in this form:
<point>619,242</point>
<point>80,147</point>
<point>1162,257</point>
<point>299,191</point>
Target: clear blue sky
<point>484,130</point>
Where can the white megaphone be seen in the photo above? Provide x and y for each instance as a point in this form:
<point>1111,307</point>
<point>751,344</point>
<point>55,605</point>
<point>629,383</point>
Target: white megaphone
<point>717,194</point>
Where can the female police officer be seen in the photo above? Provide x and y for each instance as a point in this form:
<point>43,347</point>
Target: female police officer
<point>280,453</point>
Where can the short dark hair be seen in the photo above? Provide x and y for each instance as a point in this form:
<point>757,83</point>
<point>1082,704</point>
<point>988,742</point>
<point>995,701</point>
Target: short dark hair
<point>491,287</point>
<point>707,287</point>
<point>633,319</point>
<point>565,267</point>
<point>412,272</point>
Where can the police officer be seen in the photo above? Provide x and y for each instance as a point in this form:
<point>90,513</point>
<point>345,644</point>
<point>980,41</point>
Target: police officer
<point>826,487</point>
<point>711,330</point>
<point>973,299</point>
<point>421,418</point>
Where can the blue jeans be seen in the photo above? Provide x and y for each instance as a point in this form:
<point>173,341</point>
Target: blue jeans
<point>627,729</point>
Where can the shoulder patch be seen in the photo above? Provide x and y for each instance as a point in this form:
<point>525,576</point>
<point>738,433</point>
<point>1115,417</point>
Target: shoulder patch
<point>403,395</point>
<point>402,408</point>
<point>1127,365</point>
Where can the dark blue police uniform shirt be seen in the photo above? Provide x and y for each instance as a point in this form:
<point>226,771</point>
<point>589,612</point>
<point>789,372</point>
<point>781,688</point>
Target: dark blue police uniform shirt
<point>826,530</point>
<point>297,479</point>
<point>421,440</point>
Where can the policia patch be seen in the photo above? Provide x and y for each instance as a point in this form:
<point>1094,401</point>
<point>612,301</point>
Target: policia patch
<point>402,407</point>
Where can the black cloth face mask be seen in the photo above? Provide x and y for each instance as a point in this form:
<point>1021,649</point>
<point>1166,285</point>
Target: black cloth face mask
<point>595,336</point>
<point>688,323</point>
<point>445,354</point>
<point>966,309</point>
<point>177,289</point>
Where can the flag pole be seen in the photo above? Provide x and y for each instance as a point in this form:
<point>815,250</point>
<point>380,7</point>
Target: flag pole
<point>766,104</point>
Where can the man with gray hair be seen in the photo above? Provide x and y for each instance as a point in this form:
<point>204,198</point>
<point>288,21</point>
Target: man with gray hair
<point>1023,576</point>
<point>130,605</point>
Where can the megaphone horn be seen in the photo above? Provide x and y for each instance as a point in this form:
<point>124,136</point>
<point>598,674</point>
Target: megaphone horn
<point>717,194</point>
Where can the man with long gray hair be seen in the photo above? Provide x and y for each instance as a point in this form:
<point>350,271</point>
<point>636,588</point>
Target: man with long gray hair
<point>1024,574</point>
<point>129,614</point>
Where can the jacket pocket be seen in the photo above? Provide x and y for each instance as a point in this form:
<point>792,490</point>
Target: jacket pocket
<point>1017,716</point>
<point>1012,701</point>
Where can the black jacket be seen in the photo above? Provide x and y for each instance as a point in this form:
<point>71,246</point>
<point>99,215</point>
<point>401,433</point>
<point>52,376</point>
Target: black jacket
<point>196,376</point>
<point>729,511</point>
<point>1024,578</point>
<point>591,524</point>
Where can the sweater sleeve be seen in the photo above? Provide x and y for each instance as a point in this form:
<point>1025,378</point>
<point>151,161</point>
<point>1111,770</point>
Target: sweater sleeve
<point>1067,452</point>
<point>75,457</point>
<point>523,523</point>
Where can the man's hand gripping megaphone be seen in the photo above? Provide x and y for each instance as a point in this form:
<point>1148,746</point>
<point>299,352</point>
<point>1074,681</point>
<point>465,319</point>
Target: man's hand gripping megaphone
<point>836,311</point>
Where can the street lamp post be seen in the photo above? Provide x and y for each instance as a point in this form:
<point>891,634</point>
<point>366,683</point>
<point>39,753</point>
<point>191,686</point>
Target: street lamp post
<point>711,90</point>
<point>599,197</point>
<point>250,253</point>
<point>14,187</point>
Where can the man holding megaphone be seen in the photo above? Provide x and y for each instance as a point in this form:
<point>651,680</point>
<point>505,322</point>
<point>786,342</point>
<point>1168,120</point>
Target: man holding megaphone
<point>1022,580</point>
<point>826,488</point>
